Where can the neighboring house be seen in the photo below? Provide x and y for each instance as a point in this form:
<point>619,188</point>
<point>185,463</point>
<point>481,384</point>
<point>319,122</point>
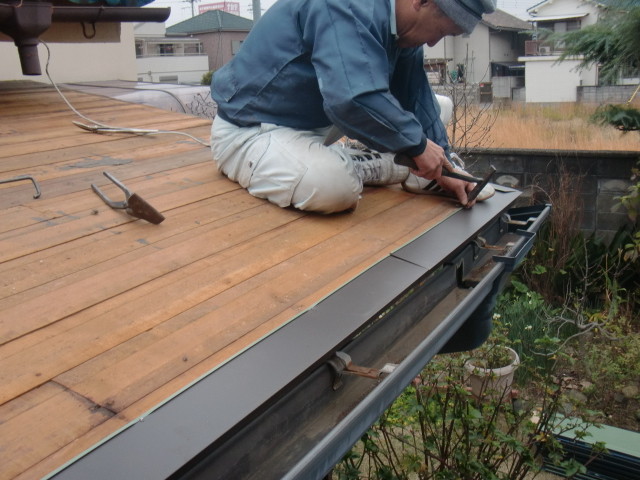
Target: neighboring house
<point>221,34</point>
<point>548,80</point>
<point>489,54</point>
<point>109,55</point>
<point>163,59</point>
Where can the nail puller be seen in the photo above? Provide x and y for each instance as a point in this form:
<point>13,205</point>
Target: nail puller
<point>133,204</point>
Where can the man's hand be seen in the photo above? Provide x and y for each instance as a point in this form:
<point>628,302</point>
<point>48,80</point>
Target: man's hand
<point>459,188</point>
<point>430,164</point>
<point>430,161</point>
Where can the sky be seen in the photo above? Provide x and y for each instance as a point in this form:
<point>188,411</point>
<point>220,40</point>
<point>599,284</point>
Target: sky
<point>181,9</point>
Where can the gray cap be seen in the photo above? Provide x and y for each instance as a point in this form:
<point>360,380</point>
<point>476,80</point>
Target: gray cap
<point>466,13</point>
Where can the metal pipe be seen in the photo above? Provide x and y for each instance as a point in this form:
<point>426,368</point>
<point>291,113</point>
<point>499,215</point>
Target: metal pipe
<point>93,14</point>
<point>109,14</point>
<point>26,21</point>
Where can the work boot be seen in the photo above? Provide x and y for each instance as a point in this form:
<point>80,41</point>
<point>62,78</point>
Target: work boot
<point>378,168</point>
<point>424,186</point>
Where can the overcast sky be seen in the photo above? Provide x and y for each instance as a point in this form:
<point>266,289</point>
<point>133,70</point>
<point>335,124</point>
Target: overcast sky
<point>181,9</point>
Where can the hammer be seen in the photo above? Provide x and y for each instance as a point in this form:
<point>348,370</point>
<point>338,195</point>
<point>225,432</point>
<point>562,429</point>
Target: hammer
<point>449,170</point>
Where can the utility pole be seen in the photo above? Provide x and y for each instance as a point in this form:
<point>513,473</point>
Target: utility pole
<point>256,10</point>
<point>192,2</point>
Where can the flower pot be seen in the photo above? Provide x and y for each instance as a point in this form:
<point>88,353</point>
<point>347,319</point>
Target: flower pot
<point>492,383</point>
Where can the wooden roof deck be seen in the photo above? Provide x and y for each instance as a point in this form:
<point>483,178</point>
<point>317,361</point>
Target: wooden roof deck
<point>103,316</point>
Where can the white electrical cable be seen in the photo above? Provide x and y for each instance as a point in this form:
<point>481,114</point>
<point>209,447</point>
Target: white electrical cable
<point>98,127</point>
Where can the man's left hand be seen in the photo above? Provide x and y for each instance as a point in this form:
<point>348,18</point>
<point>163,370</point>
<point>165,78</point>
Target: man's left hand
<point>459,188</point>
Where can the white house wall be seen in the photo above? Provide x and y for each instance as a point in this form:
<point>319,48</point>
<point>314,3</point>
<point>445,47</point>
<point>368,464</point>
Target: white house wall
<point>501,47</point>
<point>77,62</point>
<point>439,50</point>
<point>548,81</point>
<point>187,69</point>
<point>568,7</point>
<point>149,29</point>
<point>471,50</point>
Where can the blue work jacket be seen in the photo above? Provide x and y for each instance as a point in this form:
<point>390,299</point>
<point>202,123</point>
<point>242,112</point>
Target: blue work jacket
<point>311,63</point>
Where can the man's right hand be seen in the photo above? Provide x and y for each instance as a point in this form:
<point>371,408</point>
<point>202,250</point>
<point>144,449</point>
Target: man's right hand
<point>430,164</point>
<point>430,161</point>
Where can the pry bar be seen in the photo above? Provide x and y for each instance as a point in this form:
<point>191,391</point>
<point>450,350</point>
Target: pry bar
<point>133,204</point>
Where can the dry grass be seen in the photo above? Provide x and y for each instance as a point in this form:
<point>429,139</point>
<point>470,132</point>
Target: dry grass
<point>558,127</point>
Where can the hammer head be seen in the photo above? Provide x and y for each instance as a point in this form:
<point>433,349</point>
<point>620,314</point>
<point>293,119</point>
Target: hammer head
<point>449,171</point>
<point>473,194</point>
<point>140,208</point>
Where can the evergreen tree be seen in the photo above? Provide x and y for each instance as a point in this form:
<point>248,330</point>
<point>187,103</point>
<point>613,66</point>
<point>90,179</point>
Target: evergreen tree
<point>613,43</point>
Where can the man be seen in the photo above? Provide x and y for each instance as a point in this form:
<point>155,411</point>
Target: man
<point>353,64</point>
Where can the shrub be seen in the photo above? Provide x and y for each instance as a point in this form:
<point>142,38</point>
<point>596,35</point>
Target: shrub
<point>438,430</point>
<point>206,78</point>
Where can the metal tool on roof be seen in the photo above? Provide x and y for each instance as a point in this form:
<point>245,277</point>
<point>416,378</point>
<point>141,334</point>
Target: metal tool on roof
<point>19,178</point>
<point>133,204</point>
<point>341,364</point>
<point>449,170</point>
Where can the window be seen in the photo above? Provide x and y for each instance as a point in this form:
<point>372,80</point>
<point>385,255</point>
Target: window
<point>169,78</point>
<point>165,49</point>
<point>573,25</point>
<point>235,46</point>
<point>193,49</point>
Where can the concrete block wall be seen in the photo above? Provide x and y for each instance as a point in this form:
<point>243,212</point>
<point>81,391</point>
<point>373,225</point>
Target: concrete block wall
<point>606,94</point>
<point>602,176</point>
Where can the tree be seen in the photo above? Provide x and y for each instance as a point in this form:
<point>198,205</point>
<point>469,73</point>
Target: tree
<point>613,43</point>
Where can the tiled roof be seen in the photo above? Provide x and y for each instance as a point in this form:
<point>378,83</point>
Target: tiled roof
<point>606,3</point>
<point>501,20</point>
<point>211,21</point>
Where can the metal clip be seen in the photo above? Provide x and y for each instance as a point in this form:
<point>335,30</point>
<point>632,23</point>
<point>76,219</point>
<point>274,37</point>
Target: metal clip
<point>24,177</point>
<point>482,243</point>
<point>506,218</point>
<point>341,364</point>
<point>133,204</point>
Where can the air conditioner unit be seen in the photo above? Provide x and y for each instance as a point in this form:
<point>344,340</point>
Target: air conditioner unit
<point>544,50</point>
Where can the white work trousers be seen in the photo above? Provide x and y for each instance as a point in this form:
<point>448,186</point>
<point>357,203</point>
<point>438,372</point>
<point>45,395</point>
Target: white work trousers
<point>288,167</point>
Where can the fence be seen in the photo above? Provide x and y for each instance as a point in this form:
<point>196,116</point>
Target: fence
<point>602,177</point>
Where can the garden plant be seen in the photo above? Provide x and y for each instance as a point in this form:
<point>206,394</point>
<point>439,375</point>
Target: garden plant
<point>571,314</point>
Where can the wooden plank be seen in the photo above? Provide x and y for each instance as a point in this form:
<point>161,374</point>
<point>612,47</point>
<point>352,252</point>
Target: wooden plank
<point>197,182</point>
<point>71,196</point>
<point>37,307</point>
<point>100,146</point>
<point>225,210</point>
<point>86,213</point>
<point>46,425</point>
<point>79,176</point>
<point>108,328</point>
<point>19,217</point>
<point>87,138</point>
<point>79,255</point>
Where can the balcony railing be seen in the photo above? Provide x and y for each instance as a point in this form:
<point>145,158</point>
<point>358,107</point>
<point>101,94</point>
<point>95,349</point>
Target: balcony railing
<point>153,55</point>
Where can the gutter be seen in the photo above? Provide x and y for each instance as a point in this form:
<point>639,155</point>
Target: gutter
<point>284,408</point>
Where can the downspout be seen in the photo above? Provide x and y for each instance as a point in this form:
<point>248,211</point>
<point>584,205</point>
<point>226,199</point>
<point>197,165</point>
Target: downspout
<point>25,21</point>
